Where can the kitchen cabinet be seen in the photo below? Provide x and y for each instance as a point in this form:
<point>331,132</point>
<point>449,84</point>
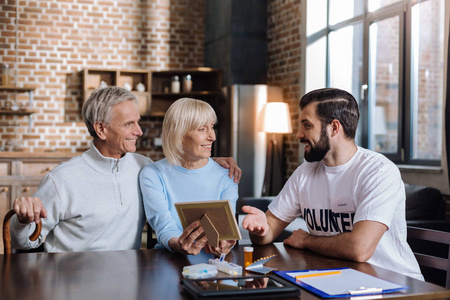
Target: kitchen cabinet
<point>206,85</point>
<point>21,173</point>
<point>138,81</point>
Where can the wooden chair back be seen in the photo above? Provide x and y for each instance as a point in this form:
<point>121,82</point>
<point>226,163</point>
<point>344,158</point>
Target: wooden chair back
<point>422,235</point>
<point>7,236</point>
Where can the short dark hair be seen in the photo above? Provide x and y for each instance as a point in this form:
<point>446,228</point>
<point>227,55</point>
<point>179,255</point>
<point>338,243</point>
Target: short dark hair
<point>333,104</point>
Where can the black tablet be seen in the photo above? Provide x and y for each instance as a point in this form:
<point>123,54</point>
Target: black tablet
<point>256,287</point>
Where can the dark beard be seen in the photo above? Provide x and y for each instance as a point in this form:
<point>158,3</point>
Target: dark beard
<point>318,152</point>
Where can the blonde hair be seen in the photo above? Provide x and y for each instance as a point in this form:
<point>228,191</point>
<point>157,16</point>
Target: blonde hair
<point>184,115</point>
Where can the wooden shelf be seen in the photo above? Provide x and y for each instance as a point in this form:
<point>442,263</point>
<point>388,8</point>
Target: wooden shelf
<point>203,79</point>
<point>173,72</point>
<point>93,77</point>
<point>206,85</point>
<point>16,89</point>
<point>20,112</point>
<point>16,112</point>
<point>133,91</point>
<point>157,114</point>
<point>190,94</point>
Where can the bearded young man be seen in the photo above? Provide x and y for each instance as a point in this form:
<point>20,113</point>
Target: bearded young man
<point>352,199</point>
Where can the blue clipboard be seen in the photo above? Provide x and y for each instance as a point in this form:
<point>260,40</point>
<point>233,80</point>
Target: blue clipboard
<point>340,282</point>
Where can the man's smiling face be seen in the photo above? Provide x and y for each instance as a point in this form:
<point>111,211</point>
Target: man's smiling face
<point>312,135</point>
<point>123,130</point>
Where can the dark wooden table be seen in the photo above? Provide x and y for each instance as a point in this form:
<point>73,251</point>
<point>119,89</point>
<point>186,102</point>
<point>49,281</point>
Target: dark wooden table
<point>155,274</point>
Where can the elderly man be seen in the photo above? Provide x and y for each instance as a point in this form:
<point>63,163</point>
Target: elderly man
<point>92,202</point>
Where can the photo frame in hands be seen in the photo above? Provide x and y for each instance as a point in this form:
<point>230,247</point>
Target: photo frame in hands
<point>216,218</point>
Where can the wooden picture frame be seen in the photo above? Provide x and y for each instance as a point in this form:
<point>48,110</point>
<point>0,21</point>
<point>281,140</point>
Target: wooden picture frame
<point>216,218</point>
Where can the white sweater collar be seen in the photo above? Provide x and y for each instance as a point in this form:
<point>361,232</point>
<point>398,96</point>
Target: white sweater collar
<point>101,163</point>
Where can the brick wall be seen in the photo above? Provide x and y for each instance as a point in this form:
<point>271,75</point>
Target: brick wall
<point>284,55</point>
<point>56,39</point>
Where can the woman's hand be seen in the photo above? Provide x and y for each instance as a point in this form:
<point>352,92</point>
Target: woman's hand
<point>189,242</point>
<point>225,246</point>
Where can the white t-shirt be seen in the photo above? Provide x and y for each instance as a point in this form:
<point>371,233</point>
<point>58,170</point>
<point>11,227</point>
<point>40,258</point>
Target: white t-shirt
<point>332,199</point>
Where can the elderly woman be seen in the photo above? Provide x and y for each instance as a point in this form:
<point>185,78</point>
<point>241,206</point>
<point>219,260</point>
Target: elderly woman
<point>186,174</point>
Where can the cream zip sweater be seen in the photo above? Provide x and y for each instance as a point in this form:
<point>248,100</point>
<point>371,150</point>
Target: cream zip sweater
<point>93,204</point>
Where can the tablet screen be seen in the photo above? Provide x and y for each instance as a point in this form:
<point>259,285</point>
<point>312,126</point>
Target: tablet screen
<point>240,287</point>
<point>237,284</point>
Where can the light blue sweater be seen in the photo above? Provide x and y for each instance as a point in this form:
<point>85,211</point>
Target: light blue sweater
<point>93,203</point>
<point>163,185</point>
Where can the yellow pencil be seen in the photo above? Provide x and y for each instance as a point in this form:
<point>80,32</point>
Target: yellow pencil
<point>318,274</point>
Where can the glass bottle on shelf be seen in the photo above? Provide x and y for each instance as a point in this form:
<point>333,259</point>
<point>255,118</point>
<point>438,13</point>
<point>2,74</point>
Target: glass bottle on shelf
<point>187,83</point>
<point>175,87</point>
<point>6,75</point>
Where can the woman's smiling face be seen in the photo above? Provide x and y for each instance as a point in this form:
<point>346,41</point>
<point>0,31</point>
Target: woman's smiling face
<point>197,144</point>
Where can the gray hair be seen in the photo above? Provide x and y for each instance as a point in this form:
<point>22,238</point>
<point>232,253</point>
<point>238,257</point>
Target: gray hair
<point>98,108</point>
<point>184,115</point>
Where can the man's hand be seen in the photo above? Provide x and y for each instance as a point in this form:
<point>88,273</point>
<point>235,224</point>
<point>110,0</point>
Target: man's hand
<point>297,239</point>
<point>187,242</point>
<point>29,209</point>
<point>224,247</point>
<point>230,163</point>
<point>263,227</point>
<point>255,221</point>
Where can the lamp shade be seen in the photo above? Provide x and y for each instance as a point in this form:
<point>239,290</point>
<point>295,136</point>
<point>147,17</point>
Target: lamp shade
<point>277,118</point>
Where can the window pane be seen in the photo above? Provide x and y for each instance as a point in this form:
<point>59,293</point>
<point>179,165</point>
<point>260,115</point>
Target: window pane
<point>316,65</point>
<point>346,59</point>
<point>427,90</point>
<point>316,16</point>
<point>346,55</point>
<point>341,10</point>
<point>384,85</point>
<point>376,4</point>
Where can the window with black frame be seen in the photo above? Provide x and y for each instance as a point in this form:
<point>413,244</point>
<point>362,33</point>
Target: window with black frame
<point>390,55</point>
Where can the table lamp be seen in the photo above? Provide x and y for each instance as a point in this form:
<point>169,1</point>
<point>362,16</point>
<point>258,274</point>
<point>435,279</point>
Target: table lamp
<point>276,121</point>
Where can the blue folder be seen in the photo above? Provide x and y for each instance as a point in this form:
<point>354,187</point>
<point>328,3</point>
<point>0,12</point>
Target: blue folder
<point>347,283</point>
